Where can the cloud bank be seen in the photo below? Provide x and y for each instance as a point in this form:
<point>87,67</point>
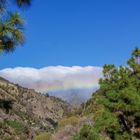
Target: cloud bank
<point>54,78</point>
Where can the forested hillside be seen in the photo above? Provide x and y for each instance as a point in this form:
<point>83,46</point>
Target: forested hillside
<point>115,107</point>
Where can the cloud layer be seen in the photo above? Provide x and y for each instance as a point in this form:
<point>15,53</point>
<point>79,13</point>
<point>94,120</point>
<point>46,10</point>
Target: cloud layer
<point>54,78</point>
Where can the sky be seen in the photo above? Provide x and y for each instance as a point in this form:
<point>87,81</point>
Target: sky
<point>68,42</point>
<point>77,33</point>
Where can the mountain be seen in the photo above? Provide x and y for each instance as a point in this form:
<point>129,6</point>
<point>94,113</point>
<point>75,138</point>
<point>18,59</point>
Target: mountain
<point>24,113</point>
<point>75,96</point>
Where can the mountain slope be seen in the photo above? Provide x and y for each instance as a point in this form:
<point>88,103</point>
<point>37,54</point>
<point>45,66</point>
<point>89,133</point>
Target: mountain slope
<point>24,113</point>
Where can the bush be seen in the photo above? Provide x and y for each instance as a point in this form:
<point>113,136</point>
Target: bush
<point>69,121</point>
<point>43,136</point>
<point>18,127</point>
<point>88,133</point>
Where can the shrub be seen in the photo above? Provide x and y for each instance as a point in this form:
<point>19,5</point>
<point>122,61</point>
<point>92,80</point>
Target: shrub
<point>88,133</point>
<point>69,121</point>
<point>43,136</point>
<point>18,127</point>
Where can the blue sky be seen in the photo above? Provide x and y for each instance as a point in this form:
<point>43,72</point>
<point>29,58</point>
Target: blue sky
<point>77,32</point>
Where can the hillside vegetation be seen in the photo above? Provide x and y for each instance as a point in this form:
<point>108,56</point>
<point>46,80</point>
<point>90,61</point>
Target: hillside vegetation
<point>115,107</point>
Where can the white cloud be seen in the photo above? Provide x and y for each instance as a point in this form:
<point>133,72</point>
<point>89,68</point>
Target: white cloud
<point>54,78</point>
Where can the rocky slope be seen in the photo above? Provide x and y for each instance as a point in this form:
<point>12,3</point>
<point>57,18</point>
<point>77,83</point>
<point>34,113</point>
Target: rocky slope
<point>25,113</point>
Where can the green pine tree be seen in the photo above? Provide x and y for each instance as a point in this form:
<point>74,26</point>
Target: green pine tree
<point>116,105</point>
<point>11,26</point>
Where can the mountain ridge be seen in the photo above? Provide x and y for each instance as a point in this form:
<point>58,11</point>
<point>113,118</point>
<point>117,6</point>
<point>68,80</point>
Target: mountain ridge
<point>24,113</point>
